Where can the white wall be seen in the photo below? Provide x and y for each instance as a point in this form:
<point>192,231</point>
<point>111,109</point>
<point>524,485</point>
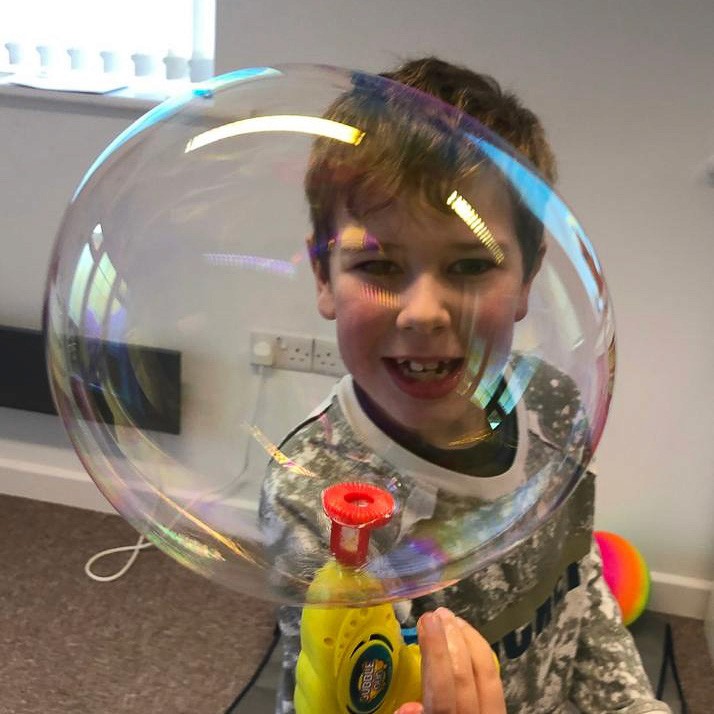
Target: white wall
<point>626,90</point>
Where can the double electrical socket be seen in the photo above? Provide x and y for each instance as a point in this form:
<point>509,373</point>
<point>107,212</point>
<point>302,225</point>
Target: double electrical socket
<point>302,353</point>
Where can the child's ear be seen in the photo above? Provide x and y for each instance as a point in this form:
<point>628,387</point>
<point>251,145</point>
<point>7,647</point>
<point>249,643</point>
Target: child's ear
<point>522,307</point>
<point>325,298</point>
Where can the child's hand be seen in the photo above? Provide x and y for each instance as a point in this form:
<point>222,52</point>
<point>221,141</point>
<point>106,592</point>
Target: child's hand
<point>459,671</point>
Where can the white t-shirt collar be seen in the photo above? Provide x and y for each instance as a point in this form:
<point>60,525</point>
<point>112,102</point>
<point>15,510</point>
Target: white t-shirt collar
<point>424,472</point>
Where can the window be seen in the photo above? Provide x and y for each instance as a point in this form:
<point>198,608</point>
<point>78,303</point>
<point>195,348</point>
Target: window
<point>126,39</point>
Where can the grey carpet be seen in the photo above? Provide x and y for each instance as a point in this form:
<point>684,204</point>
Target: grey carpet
<point>159,639</point>
<point>692,659</point>
<point>694,663</point>
<point>162,640</point>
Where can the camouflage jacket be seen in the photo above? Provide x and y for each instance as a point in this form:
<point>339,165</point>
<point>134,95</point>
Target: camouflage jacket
<point>544,605</point>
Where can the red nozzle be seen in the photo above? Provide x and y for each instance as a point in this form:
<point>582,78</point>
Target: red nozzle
<point>355,509</point>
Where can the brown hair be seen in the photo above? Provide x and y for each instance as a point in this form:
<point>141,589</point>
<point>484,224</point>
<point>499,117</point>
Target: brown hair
<point>418,151</point>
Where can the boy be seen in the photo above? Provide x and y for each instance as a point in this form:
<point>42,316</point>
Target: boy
<point>425,317</point>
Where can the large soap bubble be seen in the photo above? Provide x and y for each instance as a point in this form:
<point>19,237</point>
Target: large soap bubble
<point>189,351</point>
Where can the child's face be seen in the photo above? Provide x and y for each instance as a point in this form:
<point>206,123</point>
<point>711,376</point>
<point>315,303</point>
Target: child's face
<point>423,306</point>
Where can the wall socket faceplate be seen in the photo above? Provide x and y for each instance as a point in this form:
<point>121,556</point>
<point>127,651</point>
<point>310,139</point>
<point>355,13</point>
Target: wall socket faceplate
<point>326,358</point>
<point>281,350</point>
<point>302,353</point>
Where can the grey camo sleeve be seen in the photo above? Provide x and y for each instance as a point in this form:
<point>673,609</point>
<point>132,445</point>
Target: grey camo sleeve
<point>608,676</point>
<point>289,620</point>
<point>290,524</point>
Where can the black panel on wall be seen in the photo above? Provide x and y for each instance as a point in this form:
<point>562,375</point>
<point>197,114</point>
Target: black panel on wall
<point>24,383</point>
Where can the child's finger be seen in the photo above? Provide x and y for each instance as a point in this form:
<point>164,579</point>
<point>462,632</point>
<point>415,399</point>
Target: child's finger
<point>485,671</point>
<point>436,681</point>
<point>447,673</point>
<point>410,708</point>
<point>462,669</point>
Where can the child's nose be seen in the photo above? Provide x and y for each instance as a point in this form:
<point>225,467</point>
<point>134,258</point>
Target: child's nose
<point>424,306</point>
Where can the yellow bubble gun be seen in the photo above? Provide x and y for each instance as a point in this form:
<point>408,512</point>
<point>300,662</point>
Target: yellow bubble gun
<point>353,660</point>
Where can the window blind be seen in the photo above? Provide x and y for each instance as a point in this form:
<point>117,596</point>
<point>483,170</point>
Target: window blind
<point>163,39</point>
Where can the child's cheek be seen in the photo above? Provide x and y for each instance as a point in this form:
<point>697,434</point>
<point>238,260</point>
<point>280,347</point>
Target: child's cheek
<point>367,303</point>
<point>495,314</point>
<point>362,327</point>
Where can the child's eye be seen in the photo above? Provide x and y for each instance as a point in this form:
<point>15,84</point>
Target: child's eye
<point>471,266</point>
<point>377,267</point>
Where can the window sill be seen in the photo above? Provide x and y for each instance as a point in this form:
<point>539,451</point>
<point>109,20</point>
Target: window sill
<point>137,99</point>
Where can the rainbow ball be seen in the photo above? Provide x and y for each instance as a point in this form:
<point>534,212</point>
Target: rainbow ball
<point>625,573</point>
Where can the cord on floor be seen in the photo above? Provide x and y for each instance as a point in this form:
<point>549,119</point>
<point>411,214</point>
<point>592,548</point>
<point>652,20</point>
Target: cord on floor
<point>232,709</point>
<point>669,659</point>
<point>141,544</point>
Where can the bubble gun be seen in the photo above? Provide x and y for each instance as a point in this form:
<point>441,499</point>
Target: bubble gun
<point>353,660</point>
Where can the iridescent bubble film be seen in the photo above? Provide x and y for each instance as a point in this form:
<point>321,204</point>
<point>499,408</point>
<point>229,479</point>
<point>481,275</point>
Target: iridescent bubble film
<point>300,276</point>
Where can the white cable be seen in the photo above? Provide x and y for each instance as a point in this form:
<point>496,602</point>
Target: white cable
<point>142,543</point>
<point>248,437</point>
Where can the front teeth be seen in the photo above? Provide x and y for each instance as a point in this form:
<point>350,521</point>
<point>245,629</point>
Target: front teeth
<point>413,367</point>
<point>420,367</point>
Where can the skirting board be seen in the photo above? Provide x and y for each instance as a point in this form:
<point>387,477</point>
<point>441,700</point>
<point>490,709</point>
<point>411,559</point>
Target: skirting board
<point>54,484</point>
<point>679,595</point>
<point>69,486</point>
